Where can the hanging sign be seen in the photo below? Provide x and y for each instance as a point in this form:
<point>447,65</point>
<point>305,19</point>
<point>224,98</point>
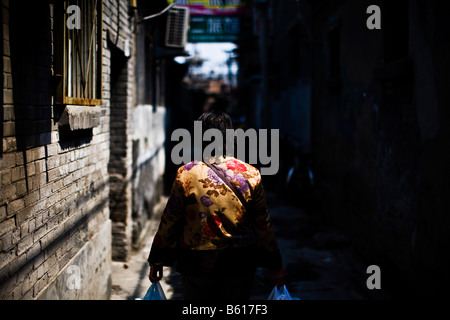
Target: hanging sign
<point>212,7</point>
<point>213,20</point>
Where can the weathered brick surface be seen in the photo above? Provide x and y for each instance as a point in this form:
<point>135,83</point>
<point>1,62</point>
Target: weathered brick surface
<point>49,209</point>
<point>66,203</point>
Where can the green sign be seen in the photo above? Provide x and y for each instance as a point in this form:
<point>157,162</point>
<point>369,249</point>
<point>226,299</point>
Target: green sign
<point>214,28</point>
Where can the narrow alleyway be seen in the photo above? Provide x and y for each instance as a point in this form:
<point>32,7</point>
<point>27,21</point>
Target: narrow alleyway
<point>99,106</point>
<point>319,262</point>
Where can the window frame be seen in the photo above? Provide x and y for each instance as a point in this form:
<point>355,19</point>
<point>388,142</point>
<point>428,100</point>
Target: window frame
<point>61,67</point>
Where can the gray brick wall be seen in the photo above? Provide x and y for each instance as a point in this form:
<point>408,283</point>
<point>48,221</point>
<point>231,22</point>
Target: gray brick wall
<point>137,137</point>
<point>72,198</point>
<point>119,88</point>
<point>54,197</point>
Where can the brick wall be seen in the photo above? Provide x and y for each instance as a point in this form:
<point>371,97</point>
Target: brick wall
<point>137,136</point>
<point>54,193</point>
<point>78,183</point>
<point>119,66</point>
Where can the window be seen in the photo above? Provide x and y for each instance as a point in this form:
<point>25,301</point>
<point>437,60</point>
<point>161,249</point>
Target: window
<point>78,52</point>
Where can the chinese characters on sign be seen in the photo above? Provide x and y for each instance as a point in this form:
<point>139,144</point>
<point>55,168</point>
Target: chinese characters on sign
<point>213,28</point>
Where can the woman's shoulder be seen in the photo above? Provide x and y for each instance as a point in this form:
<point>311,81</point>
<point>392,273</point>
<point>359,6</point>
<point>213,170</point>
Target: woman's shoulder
<point>227,164</point>
<point>238,165</point>
<point>193,165</point>
<point>243,169</point>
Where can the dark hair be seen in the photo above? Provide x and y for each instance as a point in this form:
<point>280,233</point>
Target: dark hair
<point>216,119</point>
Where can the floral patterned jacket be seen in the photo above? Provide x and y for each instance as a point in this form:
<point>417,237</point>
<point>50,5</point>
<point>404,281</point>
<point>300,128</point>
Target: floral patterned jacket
<point>203,213</point>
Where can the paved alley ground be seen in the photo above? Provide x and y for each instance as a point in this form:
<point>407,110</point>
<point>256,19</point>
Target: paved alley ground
<point>319,262</point>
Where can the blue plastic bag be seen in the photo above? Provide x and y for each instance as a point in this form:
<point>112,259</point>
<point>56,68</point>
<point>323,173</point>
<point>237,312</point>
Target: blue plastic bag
<point>155,292</point>
<point>281,294</point>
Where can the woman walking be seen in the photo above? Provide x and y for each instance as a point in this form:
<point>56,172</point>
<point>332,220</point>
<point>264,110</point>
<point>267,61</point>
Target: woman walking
<point>216,227</point>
